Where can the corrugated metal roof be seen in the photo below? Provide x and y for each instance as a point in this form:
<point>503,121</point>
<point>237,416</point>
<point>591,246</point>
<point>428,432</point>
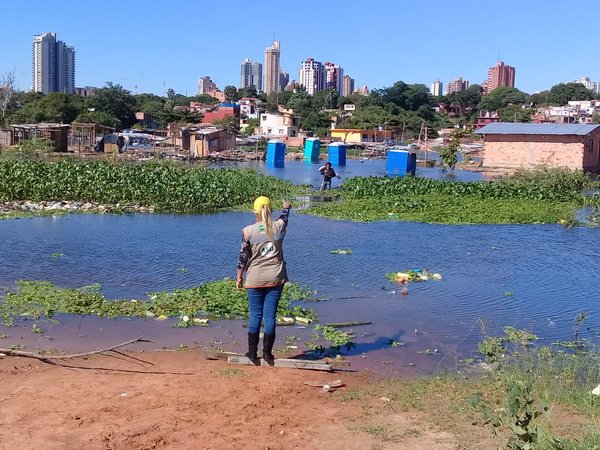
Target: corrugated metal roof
<point>537,128</point>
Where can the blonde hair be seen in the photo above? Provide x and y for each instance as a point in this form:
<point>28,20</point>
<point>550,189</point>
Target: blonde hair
<point>264,215</point>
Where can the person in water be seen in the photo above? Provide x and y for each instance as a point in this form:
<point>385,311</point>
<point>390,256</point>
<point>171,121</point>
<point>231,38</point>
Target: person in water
<point>261,258</point>
<point>328,173</point>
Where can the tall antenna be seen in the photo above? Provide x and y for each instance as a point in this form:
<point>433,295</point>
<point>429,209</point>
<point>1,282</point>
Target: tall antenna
<point>498,55</point>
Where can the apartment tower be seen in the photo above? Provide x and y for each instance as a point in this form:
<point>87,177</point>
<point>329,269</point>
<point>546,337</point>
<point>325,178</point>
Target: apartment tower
<point>271,68</point>
<point>312,76</point>
<point>437,88</point>
<point>348,88</point>
<point>500,75</point>
<point>251,75</point>
<point>53,65</point>
<point>206,85</point>
<point>457,85</point>
<point>334,77</point>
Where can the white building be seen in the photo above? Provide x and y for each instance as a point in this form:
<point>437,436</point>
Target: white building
<point>593,86</point>
<point>251,74</point>
<point>334,77</point>
<point>279,125</point>
<point>437,88</point>
<point>248,108</point>
<point>53,65</point>
<point>312,76</point>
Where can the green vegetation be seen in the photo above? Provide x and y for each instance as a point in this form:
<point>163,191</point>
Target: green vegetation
<point>215,300</point>
<point>336,338</point>
<point>164,186</point>
<point>540,196</point>
<point>525,397</point>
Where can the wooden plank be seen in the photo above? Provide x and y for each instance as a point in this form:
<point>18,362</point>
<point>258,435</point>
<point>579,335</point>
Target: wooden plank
<point>290,363</point>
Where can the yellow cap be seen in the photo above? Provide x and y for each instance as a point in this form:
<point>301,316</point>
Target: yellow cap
<point>260,201</point>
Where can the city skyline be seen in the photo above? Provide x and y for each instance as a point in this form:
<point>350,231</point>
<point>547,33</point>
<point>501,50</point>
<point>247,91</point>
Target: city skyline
<point>374,59</point>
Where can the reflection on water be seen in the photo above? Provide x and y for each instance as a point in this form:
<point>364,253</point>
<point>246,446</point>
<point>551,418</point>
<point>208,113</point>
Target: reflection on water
<point>536,277</point>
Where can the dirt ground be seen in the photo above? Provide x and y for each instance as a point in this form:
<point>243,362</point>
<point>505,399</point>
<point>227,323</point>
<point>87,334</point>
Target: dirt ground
<point>183,401</point>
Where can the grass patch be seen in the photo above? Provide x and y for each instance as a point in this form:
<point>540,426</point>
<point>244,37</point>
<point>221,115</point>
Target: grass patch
<point>217,300</point>
<point>529,197</point>
<point>448,209</point>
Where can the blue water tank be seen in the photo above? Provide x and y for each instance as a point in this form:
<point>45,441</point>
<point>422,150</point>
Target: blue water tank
<point>275,153</point>
<point>336,152</point>
<point>311,149</point>
<point>400,162</point>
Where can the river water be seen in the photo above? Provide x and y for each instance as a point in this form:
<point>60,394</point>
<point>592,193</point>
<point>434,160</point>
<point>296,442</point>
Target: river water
<point>528,276</point>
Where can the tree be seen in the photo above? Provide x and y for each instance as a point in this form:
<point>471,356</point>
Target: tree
<point>230,123</point>
<point>466,100</point>
<point>7,89</point>
<point>563,93</point>
<point>56,107</point>
<point>251,126</point>
<point>515,113</point>
<point>231,94</point>
<point>405,96</point>
<point>327,98</point>
<point>538,99</point>
<point>449,154</point>
<point>502,96</point>
<point>97,117</point>
<point>204,98</point>
<point>115,100</point>
<point>249,92</point>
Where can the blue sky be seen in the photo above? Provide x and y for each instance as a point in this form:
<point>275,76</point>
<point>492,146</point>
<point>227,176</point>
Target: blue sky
<point>155,45</point>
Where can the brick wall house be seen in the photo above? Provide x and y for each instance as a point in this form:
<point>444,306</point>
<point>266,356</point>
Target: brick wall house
<point>576,146</point>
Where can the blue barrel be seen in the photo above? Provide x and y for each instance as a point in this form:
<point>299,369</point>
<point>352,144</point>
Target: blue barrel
<point>336,152</point>
<point>275,153</point>
<point>400,162</point>
<point>311,149</point>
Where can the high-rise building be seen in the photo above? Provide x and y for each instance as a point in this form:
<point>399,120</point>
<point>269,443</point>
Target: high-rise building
<point>348,88</point>
<point>271,68</point>
<point>500,75</point>
<point>312,76</point>
<point>457,85</point>
<point>53,65</point>
<point>284,79</point>
<point>437,88</point>
<point>251,74</point>
<point>334,77</point>
<point>593,86</point>
<point>206,85</point>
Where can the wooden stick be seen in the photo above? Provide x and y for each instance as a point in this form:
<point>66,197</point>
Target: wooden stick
<point>347,324</point>
<point>9,352</point>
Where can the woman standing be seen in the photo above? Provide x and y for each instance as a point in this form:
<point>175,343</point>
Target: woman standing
<point>261,257</point>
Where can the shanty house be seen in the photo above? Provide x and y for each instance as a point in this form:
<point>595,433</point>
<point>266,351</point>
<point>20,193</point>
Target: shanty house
<point>576,146</point>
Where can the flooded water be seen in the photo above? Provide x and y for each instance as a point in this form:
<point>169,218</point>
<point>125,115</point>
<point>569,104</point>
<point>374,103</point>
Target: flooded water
<point>535,277</point>
<point>300,172</point>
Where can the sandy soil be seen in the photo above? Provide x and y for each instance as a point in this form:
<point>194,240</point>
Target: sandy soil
<point>184,401</point>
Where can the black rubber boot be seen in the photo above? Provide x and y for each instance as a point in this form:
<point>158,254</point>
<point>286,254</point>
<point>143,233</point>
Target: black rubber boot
<point>253,339</point>
<point>268,341</point>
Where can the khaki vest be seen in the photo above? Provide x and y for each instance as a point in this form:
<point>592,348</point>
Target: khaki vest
<point>266,266</point>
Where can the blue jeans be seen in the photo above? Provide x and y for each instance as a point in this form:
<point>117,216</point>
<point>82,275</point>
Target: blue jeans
<point>263,304</point>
